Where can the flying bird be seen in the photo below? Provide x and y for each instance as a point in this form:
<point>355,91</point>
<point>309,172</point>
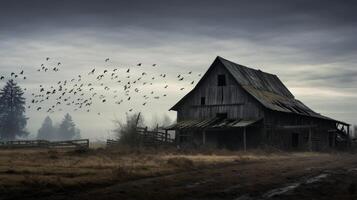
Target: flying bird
<point>92,72</point>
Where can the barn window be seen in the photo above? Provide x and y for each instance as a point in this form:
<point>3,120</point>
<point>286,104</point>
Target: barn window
<point>221,80</point>
<point>222,115</point>
<point>203,100</point>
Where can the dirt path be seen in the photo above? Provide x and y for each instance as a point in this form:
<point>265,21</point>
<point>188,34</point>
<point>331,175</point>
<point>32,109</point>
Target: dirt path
<point>296,178</point>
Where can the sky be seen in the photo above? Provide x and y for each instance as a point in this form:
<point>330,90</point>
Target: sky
<point>310,44</point>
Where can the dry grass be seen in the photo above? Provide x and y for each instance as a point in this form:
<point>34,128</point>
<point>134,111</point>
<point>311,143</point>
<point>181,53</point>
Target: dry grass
<point>59,169</point>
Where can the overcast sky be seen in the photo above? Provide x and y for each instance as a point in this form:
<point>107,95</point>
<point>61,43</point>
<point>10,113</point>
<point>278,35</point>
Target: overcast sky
<point>311,45</point>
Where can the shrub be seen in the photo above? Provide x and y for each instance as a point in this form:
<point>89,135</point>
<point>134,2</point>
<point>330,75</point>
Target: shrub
<point>127,132</point>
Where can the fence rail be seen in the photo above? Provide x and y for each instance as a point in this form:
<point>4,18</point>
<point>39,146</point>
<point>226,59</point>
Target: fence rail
<point>148,138</point>
<point>83,144</point>
<point>111,143</point>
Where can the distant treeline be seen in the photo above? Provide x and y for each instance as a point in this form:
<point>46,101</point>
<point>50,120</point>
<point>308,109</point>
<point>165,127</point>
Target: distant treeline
<point>66,130</point>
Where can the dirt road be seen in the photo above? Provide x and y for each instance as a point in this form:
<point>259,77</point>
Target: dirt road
<point>323,177</point>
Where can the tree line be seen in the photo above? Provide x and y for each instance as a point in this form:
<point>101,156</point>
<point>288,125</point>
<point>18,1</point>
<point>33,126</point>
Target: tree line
<point>13,120</point>
<point>66,130</point>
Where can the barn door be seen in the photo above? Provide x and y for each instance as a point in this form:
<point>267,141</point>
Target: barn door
<point>295,140</point>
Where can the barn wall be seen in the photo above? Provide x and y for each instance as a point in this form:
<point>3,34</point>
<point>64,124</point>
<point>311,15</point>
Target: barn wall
<point>283,138</point>
<point>230,99</point>
<point>231,139</point>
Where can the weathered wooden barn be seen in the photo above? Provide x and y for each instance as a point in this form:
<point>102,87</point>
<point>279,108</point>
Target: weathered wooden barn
<point>237,107</point>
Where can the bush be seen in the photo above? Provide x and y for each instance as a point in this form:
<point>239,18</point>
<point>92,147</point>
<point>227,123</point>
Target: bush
<point>127,132</point>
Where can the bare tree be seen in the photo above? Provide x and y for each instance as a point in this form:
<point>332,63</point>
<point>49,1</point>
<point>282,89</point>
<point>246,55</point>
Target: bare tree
<point>160,122</point>
<point>127,131</point>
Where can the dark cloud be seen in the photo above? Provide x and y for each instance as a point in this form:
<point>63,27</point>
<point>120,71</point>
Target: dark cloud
<point>247,15</point>
<point>325,28</point>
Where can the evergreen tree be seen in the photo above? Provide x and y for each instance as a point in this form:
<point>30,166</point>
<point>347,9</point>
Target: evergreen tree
<point>12,112</point>
<point>67,129</point>
<point>47,131</point>
<point>77,134</point>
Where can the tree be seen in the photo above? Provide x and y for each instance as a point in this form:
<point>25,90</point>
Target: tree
<point>67,129</point>
<point>12,112</point>
<point>166,121</point>
<point>126,132</point>
<point>161,122</point>
<point>47,131</point>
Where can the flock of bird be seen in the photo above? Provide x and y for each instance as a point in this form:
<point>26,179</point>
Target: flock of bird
<point>118,85</point>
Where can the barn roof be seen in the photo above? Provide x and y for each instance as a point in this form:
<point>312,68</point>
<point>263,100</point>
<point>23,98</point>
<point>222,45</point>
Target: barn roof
<point>212,123</point>
<point>266,88</point>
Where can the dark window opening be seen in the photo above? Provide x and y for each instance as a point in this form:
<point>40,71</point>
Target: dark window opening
<point>221,78</point>
<point>222,115</point>
<point>295,140</point>
<point>268,134</point>
<point>331,139</point>
<point>203,101</point>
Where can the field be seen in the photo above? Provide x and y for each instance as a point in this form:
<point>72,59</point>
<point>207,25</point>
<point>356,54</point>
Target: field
<point>167,174</point>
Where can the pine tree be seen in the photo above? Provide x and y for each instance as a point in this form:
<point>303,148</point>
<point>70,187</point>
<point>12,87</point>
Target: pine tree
<point>67,129</point>
<point>12,112</point>
<point>47,131</point>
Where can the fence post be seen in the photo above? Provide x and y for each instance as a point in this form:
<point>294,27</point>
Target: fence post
<point>166,134</point>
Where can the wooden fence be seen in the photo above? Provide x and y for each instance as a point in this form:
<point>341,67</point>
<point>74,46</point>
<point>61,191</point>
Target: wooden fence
<point>77,144</point>
<point>111,143</point>
<point>148,138</point>
<point>154,137</point>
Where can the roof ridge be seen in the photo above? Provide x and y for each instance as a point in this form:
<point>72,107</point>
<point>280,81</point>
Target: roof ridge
<point>250,68</point>
<point>258,79</point>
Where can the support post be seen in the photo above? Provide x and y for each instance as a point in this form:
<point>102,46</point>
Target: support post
<point>310,139</point>
<point>204,137</point>
<point>245,138</point>
<point>349,136</point>
<point>166,135</point>
<point>137,120</point>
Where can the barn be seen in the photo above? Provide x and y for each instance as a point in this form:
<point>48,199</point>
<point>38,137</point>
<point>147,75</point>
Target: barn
<point>236,107</point>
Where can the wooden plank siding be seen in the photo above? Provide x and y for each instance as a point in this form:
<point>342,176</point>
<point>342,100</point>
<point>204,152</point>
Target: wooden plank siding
<point>282,138</point>
<point>230,99</point>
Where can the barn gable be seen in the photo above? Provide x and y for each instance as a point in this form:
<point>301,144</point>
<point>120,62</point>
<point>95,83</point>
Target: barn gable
<point>209,99</point>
